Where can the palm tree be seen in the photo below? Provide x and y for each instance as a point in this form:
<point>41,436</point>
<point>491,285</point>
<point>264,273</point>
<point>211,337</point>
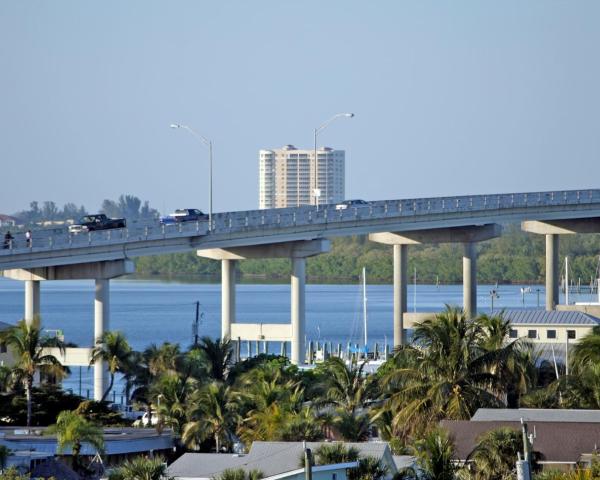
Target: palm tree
<point>4,453</point>
<point>239,474</point>
<point>494,456</point>
<point>72,430</point>
<point>170,394</point>
<point>329,454</point>
<point>213,414</point>
<point>113,349</point>
<point>345,386</point>
<point>369,468</point>
<point>447,374</point>
<point>218,355</point>
<point>27,345</point>
<point>435,456</point>
<point>141,468</point>
<point>587,350</point>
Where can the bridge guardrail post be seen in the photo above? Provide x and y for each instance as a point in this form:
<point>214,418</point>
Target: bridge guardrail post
<point>246,222</point>
<point>279,219</point>
<point>294,218</point>
<point>146,231</point>
<point>89,238</point>
<point>262,219</point>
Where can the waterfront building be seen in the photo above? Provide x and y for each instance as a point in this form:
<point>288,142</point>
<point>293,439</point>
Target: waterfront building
<point>288,177</point>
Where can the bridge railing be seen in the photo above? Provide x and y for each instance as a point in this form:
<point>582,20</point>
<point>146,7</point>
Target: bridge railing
<point>224,223</point>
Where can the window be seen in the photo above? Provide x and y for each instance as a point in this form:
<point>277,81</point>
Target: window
<point>531,333</point>
<point>334,476</point>
<point>513,333</point>
<point>571,334</point>
<point>550,333</point>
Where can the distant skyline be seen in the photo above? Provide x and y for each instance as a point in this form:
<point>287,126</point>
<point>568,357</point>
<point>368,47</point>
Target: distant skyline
<point>450,97</point>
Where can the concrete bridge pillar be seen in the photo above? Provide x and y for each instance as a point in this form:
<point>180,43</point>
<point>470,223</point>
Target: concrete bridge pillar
<point>552,229</point>
<point>228,274</point>
<point>468,235</point>
<point>101,272</point>
<point>470,280</point>
<point>32,301</point>
<point>293,332</point>
<point>400,292</point>
<point>552,287</point>
<point>298,309</point>
<point>101,325</point>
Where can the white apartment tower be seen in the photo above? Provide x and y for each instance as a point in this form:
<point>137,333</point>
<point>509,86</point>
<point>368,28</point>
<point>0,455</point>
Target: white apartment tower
<point>288,177</point>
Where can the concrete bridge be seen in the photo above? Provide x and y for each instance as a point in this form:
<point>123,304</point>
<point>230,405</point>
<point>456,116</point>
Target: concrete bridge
<point>298,233</point>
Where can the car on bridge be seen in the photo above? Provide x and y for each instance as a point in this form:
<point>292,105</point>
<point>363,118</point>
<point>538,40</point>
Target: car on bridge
<point>89,223</point>
<point>351,203</point>
<point>184,215</point>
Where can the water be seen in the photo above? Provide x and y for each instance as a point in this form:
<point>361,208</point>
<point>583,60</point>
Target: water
<point>155,311</point>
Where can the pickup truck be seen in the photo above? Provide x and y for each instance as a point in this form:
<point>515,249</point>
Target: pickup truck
<point>97,222</point>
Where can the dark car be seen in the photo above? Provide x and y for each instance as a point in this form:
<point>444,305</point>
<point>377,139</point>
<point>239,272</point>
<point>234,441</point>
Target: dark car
<point>184,215</point>
<point>350,203</point>
<point>99,221</point>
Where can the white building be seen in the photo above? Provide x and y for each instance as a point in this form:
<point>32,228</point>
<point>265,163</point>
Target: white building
<point>288,177</point>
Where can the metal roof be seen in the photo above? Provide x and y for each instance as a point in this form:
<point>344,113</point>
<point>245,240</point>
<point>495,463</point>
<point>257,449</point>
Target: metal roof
<point>271,458</point>
<point>536,415</point>
<point>554,317</point>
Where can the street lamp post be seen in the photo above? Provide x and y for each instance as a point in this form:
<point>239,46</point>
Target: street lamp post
<point>316,132</point>
<point>208,143</point>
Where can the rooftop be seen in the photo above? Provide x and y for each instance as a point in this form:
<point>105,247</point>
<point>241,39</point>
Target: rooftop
<point>561,442</point>
<point>536,415</point>
<point>271,458</point>
<point>554,317</point>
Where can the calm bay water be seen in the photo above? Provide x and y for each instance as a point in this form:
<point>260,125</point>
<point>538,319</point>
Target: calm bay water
<point>155,311</point>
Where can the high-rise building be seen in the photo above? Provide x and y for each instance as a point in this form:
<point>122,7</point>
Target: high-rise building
<point>288,177</point>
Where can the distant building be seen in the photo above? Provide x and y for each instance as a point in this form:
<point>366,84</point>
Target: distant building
<point>289,176</point>
<point>552,332</point>
<point>7,221</point>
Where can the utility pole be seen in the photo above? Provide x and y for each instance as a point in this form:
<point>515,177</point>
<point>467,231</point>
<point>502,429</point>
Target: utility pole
<point>196,323</point>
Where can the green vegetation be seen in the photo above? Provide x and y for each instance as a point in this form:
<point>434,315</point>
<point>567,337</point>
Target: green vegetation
<point>458,366</point>
<point>515,257</point>
<point>141,468</point>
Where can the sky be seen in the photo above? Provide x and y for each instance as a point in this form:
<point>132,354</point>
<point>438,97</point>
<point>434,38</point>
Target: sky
<point>449,97</point>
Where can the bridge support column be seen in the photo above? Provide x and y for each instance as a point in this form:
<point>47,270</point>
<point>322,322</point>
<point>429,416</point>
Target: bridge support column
<point>400,292</point>
<point>298,309</point>
<point>551,271</point>
<point>101,325</point>
<point>470,280</point>
<point>228,269</point>
<point>32,301</point>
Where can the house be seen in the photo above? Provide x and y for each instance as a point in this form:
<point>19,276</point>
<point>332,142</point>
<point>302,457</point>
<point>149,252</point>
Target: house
<point>562,439</point>
<point>119,443</point>
<point>279,460</point>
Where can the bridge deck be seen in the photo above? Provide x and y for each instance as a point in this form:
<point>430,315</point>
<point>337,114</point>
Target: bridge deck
<point>254,227</point>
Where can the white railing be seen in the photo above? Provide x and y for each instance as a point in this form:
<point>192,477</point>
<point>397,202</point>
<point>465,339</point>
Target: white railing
<point>257,220</point>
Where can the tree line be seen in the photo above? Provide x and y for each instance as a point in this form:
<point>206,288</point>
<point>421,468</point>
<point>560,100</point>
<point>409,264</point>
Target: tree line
<point>126,206</point>
<point>211,403</point>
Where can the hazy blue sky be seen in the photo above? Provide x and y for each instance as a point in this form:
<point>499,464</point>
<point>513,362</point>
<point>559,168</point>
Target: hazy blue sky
<point>450,97</point>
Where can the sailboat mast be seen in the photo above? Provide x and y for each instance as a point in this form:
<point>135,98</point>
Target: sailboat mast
<point>364,275</point>
<point>567,280</point>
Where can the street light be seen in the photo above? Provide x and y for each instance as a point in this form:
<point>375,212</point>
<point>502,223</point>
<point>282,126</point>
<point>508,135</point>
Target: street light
<point>317,131</point>
<point>208,143</point>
